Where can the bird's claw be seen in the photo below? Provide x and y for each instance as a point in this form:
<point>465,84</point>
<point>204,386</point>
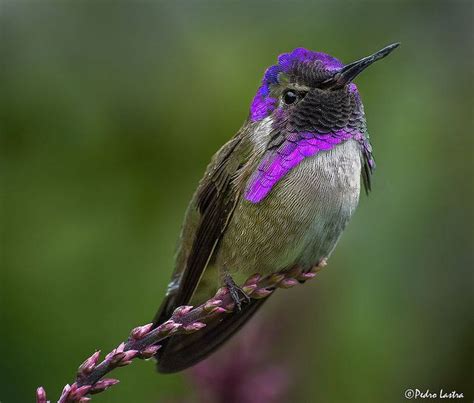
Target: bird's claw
<point>238,295</point>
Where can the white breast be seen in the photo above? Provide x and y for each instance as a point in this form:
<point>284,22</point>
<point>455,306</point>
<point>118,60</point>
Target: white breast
<point>323,191</point>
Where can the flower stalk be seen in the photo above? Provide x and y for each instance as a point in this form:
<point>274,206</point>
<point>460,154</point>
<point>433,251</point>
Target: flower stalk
<point>144,341</point>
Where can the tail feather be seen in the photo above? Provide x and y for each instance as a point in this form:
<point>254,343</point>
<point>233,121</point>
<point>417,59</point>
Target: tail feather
<point>182,351</point>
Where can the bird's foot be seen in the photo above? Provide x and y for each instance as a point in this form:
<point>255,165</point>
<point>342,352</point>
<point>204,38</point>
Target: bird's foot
<point>238,295</point>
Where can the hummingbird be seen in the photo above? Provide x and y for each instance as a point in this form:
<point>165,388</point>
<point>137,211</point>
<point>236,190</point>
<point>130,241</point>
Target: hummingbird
<point>277,195</point>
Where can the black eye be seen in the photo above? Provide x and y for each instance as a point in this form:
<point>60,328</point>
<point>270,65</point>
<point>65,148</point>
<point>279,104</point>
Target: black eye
<point>290,97</point>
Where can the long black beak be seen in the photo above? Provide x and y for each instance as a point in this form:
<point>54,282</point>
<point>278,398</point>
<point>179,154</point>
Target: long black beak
<point>346,74</point>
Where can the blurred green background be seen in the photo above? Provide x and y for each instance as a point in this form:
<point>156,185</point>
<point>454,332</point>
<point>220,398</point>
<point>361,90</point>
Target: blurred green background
<point>110,112</point>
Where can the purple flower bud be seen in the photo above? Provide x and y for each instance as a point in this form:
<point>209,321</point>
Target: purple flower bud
<point>276,278</point>
<point>210,305</point>
<point>103,384</point>
<point>130,354</point>
<point>169,327</point>
<point>140,331</point>
<point>127,358</point>
<point>193,327</point>
<point>64,394</point>
<point>88,365</point>
<point>149,352</point>
<point>249,288</point>
<point>115,358</point>
<point>253,280</point>
<point>116,354</point>
<point>221,293</point>
<point>219,310</point>
<point>261,293</point>
<point>181,311</point>
<point>41,395</point>
<point>109,355</point>
<point>288,283</point>
<point>307,276</point>
<point>78,392</point>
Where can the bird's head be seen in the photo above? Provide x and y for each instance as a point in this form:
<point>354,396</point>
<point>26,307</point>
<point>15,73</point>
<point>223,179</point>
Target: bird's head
<point>312,92</point>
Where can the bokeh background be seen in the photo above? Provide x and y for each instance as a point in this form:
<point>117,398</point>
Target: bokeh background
<point>110,112</point>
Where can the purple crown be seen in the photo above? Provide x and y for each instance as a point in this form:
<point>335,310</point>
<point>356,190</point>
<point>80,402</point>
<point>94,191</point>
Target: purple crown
<point>263,104</point>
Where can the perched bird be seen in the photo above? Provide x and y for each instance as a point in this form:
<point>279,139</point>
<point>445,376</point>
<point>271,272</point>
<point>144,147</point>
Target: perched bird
<point>278,194</point>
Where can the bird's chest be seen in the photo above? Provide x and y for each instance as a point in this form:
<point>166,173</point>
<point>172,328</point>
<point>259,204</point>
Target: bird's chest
<point>317,199</point>
<point>302,217</point>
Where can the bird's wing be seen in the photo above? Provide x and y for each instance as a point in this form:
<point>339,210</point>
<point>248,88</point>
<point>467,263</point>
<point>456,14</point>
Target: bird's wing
<point>206,219</point>
<point>368,163</point>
